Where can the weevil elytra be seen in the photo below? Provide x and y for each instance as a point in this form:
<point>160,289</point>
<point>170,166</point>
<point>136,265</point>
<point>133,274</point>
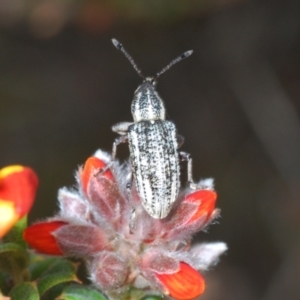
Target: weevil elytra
<point>153,145</point>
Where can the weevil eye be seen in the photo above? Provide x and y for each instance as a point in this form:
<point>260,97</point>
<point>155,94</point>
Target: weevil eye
<point>153,82</point>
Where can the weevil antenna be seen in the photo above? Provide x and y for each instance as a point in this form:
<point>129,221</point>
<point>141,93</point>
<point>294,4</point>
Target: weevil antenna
<point>119,46</point>
<point>173,62</point>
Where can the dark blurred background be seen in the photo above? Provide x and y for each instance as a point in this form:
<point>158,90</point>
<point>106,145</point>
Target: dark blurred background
<point>236,101</point>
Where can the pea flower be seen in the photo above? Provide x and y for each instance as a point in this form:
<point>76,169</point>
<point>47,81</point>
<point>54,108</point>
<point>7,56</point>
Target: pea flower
<point>155,255</point>
<point>18,185</point>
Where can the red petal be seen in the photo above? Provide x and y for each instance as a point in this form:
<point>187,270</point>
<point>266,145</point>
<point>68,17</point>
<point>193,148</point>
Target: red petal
<point>40,237</point>
<point>206,199</point>
<point>18,184</point>
<point>186,284</point>
<point>90,169</point>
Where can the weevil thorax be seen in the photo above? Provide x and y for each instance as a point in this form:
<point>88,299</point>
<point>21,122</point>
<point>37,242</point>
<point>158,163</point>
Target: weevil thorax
<point>147,104</point>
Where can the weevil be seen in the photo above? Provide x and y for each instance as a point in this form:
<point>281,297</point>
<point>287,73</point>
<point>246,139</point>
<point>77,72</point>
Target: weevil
<point>153,145</point>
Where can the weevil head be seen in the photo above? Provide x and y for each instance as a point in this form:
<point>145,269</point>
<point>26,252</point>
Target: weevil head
<point>147,104</point>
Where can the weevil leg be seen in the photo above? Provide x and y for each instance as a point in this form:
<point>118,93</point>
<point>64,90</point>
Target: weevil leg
<point>132,213</point>
<point>187,157</point>
<point>117,142</point>
<point>121,128</point>
<point>180,140</point>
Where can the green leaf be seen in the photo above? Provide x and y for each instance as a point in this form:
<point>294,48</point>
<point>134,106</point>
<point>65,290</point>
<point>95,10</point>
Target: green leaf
<point>4,283</point>
<point>80,292</point>
<point>152,297</point>
<point>134,294</point>
<point>11,247</point>
<point>48,281</point>
<point>15,235</point>
<point>61,265</point>
<point>40,264</point>
<point>24,291</point>
<point>51,272</point>
<point>55,291</point>
<point>13,260</point>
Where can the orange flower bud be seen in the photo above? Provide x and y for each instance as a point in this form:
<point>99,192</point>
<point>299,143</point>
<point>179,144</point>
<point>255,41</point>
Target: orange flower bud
<point>91,166</point>
<point>206,199</point>
<point>18,186</point>
<point>40,237</point>
<point>186,284</point>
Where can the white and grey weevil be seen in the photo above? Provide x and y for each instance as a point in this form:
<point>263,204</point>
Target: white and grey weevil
<point>153,145</point>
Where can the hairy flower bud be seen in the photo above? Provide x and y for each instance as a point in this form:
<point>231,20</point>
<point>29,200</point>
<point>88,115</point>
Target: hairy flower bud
<point>94,224</point>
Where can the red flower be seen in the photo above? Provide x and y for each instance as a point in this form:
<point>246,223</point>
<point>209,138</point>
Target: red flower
<point>18,186</point>
<point>185,284</point>
<point>94,224</point>
<point>40,236</point>
<point>92,166</point>
<point>205,200</point>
